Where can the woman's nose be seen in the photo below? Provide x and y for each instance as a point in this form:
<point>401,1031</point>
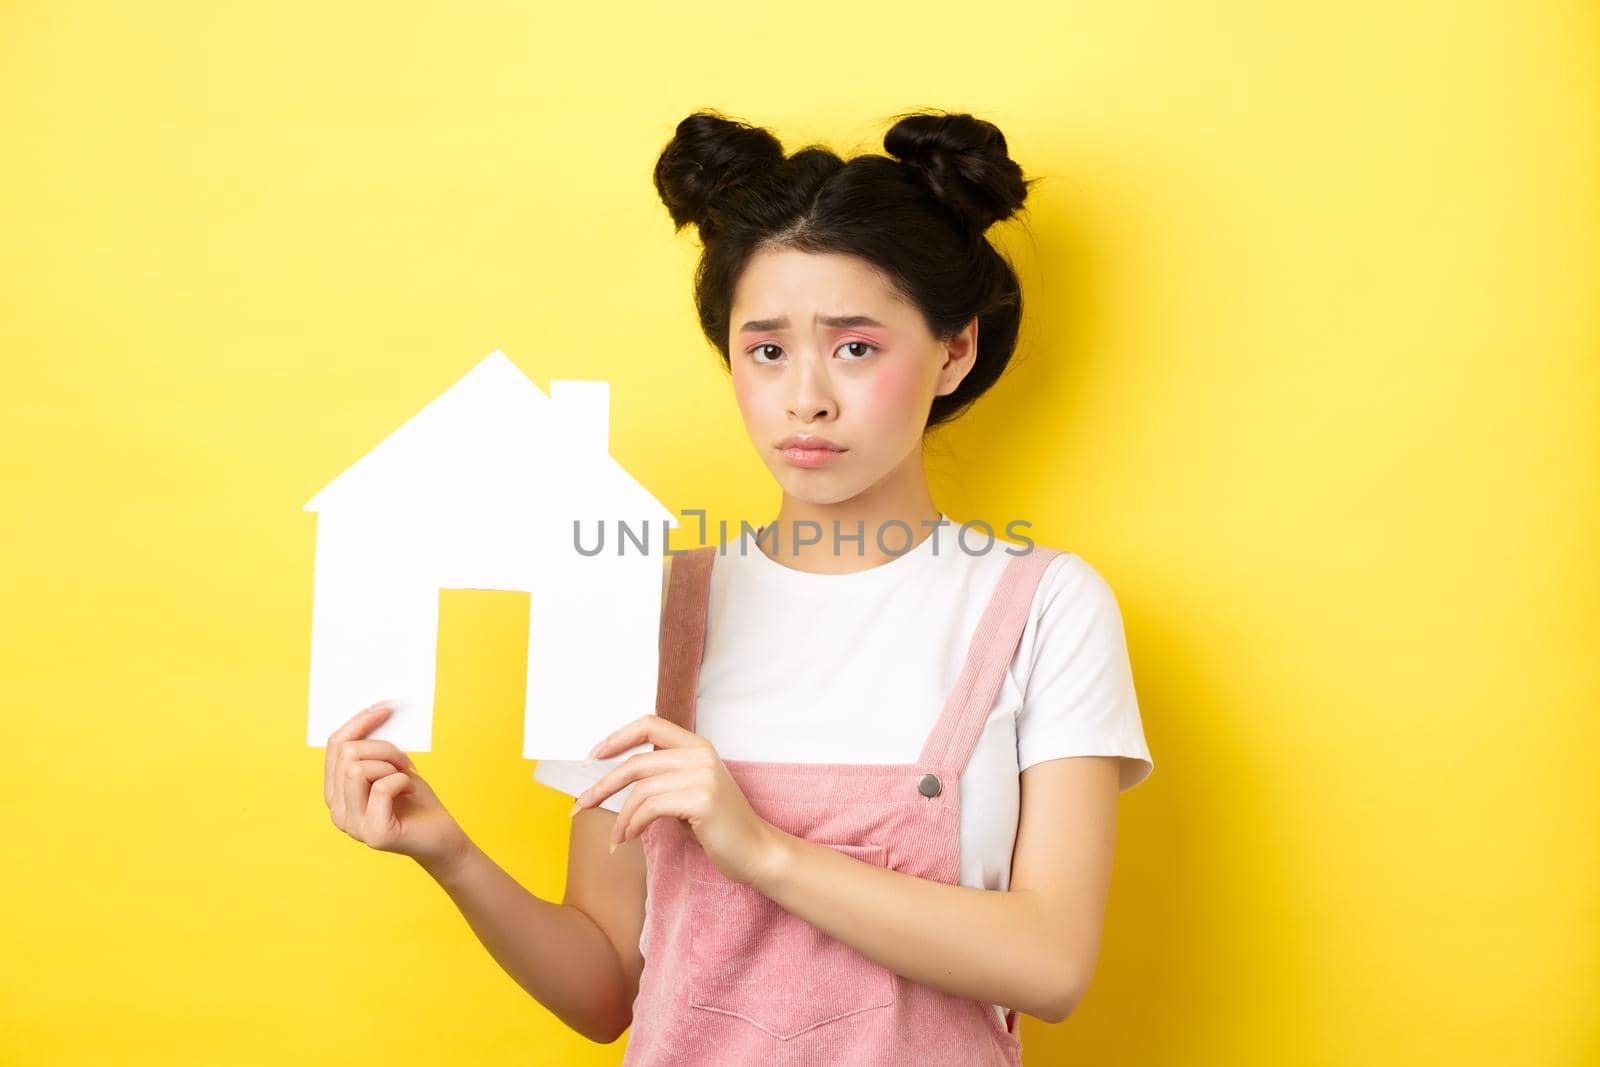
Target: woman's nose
<point>811,395</point>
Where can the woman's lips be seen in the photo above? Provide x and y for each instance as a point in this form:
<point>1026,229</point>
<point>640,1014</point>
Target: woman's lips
<point>811,457</point>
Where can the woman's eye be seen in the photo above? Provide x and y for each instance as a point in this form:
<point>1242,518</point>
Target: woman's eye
<point>756,352</point>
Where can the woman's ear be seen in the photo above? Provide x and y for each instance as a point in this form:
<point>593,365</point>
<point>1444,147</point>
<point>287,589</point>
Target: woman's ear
<point>960,353</point>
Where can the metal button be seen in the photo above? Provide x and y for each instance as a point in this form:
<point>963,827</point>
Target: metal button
<point>929,786</point>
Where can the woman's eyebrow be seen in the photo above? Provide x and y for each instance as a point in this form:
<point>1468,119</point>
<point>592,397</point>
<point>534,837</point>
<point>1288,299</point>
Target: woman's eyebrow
<point>846,321</point>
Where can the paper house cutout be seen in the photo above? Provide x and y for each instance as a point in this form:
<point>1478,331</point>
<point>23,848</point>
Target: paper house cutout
<point>480,490</point>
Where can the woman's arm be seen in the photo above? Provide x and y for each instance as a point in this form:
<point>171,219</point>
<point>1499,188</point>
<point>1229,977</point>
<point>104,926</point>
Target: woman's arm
<point>1032,948</point>
<point>579,958</point>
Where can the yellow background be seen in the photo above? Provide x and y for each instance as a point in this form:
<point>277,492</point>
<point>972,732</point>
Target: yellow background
<point>1309,373</point>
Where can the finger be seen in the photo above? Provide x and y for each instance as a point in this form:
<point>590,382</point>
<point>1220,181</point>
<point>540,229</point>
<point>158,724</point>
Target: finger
<point>336,783</point>
<point>359,725</point>
<point>372,748</point>
<point>348,752</point>
<point>358,778</point>
<point>379,825</point>
<point>653,728</point>
<point>344,754</point>
<point>674,804</point>
<point>632,769</point>
<point>622,827</point>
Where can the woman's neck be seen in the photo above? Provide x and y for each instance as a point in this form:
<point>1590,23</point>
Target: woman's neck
<point>845,537</point>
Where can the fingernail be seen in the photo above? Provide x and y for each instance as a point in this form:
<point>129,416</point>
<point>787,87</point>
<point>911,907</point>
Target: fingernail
<point>613,846</point>
<point>576,804</point>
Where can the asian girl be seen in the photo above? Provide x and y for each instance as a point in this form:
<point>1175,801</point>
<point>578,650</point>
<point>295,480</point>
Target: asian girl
<point>876,814</point>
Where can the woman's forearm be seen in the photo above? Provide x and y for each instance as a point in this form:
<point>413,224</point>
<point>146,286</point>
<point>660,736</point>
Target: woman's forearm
<point>993,946</point>
<point>554,951</point>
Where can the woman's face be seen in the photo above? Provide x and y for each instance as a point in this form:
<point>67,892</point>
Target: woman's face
<point>821,347</point>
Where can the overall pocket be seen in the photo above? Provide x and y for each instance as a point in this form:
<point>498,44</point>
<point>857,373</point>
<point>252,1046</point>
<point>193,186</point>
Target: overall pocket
<point>750,958</point>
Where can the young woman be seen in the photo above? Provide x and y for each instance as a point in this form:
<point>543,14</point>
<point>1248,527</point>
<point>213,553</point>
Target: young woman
<point>872,818</point>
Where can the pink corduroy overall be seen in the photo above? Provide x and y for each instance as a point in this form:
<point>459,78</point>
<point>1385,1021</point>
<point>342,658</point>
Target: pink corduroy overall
<point>731,978</point>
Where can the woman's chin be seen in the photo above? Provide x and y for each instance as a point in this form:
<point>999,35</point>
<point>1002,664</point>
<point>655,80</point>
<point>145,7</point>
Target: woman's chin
<point>816,487</point>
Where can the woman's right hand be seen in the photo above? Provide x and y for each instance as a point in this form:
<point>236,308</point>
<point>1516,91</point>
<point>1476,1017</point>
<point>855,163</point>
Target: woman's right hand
<point>375,795</point>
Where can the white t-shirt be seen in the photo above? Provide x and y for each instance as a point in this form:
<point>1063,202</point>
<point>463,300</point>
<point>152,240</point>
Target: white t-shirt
<point>855,668</point>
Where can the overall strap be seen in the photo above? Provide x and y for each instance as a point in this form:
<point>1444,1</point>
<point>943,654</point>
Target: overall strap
<point>993,646</point>
<point>683,635</point>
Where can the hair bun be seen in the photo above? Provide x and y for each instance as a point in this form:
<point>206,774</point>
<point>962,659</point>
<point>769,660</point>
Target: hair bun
<point>964,161</point>
<point>709,157</point>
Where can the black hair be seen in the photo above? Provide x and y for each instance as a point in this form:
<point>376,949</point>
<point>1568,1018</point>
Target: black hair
<point>917,215</point>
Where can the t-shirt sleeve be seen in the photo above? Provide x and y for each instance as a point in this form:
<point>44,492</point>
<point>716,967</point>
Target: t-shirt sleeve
<point>1079,698</point>
<point>574,776</point>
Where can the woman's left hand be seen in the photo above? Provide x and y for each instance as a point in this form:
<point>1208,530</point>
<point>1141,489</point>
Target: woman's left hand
<point>683,778</point>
